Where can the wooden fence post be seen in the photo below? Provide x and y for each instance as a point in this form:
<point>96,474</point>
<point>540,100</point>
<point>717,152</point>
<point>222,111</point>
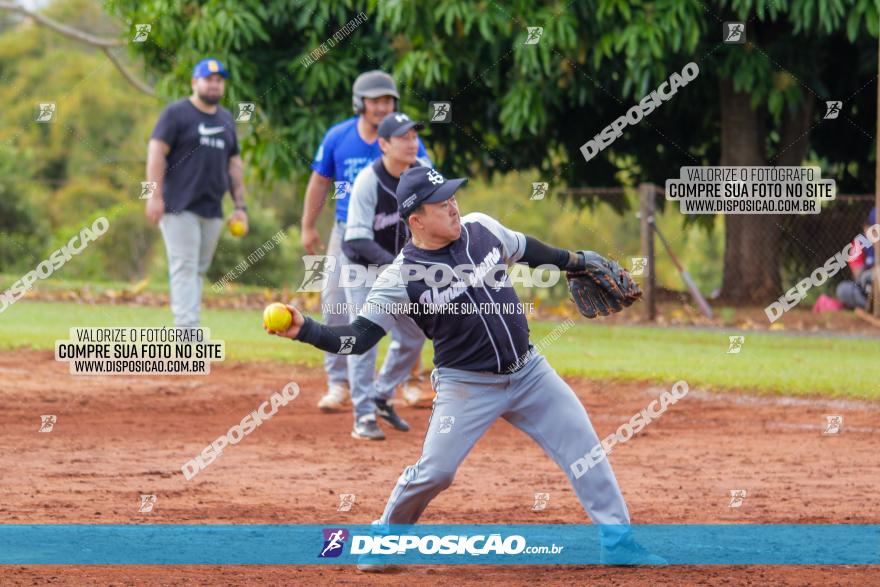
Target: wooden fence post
<point>646,216</point>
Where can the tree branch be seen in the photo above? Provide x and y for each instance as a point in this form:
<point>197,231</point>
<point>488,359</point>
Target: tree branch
<point>103,43</point>
<point>128,75</point>
<point>58,27</point>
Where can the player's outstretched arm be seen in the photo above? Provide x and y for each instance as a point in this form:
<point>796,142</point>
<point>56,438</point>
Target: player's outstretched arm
<point>538,253</point>
<point>598,286</point>
<point>355,338</point>
<point>522,248</point>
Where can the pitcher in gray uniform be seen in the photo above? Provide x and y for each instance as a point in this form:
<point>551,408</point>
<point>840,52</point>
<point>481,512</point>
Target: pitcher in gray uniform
<point>485,366</point>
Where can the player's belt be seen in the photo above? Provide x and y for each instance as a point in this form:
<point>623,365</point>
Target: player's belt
<point>520,363</point>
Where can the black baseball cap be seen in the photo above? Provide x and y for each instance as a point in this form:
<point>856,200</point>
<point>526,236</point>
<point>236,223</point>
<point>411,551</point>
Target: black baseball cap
<point>397,124</point>
<point>423,185</point>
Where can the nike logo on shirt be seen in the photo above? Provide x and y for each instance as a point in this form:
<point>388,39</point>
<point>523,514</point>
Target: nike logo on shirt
<point>209,130</point>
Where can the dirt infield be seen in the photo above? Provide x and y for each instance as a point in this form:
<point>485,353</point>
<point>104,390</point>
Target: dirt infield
<point>122,436</point>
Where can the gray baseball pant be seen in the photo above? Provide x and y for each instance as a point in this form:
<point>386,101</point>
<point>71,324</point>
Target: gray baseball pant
<point>407,340</point>
<point>190,242</point>
<point>536,400</point>
<point>853,294</point>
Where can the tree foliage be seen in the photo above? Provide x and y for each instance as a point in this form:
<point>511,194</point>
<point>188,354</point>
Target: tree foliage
<point>518,106</point>
<point>57,177</point>
<point>515,106</point>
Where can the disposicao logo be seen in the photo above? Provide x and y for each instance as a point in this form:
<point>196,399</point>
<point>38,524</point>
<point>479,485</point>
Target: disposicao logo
<point>334,540</point>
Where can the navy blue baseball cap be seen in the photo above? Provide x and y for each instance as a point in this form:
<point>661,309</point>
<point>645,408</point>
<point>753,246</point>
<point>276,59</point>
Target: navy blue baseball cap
<point>397,124</point>
<point>423,185</point>
<point>209,66</point>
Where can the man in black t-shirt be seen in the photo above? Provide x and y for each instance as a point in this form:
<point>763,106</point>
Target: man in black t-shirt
<point>193,159</point>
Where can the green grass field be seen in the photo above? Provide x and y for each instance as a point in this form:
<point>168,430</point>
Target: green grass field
<point>774,363</point>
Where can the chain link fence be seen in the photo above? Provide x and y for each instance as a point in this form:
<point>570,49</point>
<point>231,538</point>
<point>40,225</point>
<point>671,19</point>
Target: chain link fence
<point>806,242</point>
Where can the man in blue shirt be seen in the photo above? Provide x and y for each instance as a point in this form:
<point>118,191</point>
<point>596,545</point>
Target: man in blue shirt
<point>347,148</point>
<point>374,235</point>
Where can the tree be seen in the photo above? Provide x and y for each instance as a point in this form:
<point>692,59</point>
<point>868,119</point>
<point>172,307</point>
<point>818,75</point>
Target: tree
<point>518,106</point>
<point>105,44</point>
<point>767,93</point>
<point>58,176</point>
<point>21,225</point>
<point>513,104</point>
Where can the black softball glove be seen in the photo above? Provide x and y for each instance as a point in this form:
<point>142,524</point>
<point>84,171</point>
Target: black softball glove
<point>602,287</point>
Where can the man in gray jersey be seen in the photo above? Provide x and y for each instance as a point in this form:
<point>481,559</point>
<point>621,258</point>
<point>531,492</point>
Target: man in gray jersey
<point>374,234</point>
<point>480,373</point>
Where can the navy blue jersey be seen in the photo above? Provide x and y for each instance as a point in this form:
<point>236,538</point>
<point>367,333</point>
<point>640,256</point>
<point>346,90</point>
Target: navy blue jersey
<point>475,325</point>
<point>372,211</point>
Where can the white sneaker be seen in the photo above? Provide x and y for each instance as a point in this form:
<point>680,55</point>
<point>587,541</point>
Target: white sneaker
<point>414,396</point>
<point>336,399</point>
<point>366,428</point>
<point>371,563</point>
<point>373,568</point>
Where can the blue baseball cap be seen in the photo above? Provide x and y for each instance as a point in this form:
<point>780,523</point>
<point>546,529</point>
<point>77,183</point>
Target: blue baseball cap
<point>209,66</point>
<point>423,185</point>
